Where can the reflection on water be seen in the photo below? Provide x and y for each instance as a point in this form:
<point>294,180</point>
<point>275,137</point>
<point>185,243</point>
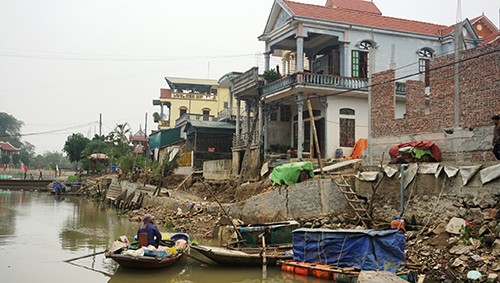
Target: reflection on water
<point>38,231</point>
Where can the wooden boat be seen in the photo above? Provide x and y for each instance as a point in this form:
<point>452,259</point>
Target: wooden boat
<point>244,256</point>
<point>144,262</point>
<point>151,259</point>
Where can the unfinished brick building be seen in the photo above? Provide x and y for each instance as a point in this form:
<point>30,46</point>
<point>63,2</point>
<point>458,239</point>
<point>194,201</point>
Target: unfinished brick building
<point>432,116</point>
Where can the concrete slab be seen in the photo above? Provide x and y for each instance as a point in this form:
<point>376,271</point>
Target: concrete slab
<point>339,165</point>
<point>366,276</point>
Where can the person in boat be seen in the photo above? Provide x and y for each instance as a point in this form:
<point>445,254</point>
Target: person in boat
<point>149,228</point>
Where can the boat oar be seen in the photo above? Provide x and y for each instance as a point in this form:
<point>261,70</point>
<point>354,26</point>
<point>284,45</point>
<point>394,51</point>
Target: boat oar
<point>98,253</point>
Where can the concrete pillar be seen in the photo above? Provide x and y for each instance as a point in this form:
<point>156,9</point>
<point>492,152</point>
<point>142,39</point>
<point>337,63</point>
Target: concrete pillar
<point>324,102</point>
<point>238,122</point>
<point>300,54</point>
<point>267,58</point>
<point>266,130</point>
<point>261,120</point>
<point>345,66</point>
<point>300,124</point>
<point>247,122</point>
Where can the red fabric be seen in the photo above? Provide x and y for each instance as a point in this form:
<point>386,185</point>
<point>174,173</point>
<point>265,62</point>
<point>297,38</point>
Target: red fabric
<point>436,152</point>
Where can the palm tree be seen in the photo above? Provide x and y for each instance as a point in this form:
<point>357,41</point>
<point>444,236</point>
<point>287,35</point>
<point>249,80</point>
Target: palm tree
<point>120,132</point>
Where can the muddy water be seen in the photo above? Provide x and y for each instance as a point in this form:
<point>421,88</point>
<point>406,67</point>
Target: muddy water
<point>39,231</point>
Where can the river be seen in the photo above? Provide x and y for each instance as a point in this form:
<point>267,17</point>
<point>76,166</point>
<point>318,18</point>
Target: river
<point>39,231</point>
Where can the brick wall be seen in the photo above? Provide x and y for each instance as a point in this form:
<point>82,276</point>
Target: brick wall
<point>479,100</point>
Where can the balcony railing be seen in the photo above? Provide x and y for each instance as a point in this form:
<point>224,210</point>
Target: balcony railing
<point>319,80</point>
<point>164,123</point>
<point>242,139</point>
<point>202,96</point>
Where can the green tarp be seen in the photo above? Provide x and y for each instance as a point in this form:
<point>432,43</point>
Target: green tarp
<point>289,173</point>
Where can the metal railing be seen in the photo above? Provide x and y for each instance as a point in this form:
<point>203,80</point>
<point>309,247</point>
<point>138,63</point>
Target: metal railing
<point>319,80</point>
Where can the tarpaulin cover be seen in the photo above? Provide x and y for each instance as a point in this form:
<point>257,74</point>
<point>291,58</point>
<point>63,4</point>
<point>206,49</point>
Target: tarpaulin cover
<point>289,173</point>
<point>363,249</point>
<point>419,145</point>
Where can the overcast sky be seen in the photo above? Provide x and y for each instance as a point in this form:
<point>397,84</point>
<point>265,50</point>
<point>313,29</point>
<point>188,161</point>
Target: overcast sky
<point>64,62</point>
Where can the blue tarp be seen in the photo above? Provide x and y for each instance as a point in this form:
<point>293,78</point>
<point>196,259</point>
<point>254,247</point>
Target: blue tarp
<point>363,249</point>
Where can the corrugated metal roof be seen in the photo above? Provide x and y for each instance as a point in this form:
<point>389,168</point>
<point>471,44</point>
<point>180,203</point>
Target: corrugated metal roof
<point>176,80</point>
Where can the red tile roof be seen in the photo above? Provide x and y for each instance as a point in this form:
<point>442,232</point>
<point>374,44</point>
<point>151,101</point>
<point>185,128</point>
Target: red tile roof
<point>8,147</point>
<point>356,5</point>
<point>491,39</point>
<point>363,19</point>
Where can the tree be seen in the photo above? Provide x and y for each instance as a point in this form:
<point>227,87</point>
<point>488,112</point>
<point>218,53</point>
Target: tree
<point>27,153</point>
<point>121,131</point>
<point>5,159</point>
<point>74,146</point>
<point>10,129</point>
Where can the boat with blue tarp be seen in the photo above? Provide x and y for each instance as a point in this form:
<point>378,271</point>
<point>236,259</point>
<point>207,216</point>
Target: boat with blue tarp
<point>341,254</point>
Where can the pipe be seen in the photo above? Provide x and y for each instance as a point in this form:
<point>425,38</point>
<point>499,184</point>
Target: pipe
<point>402,188</point>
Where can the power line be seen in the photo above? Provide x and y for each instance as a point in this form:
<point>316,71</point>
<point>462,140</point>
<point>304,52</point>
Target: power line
<point>77,57</point>
<point>52,131</point>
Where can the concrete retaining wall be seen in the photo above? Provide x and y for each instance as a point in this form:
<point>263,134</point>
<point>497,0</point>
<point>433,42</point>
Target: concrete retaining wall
<point>217,169</point>
<point>307,199</point>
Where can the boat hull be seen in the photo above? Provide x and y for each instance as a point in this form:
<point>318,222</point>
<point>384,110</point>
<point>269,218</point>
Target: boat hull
<point>225,256</point>
<point>144,262</point>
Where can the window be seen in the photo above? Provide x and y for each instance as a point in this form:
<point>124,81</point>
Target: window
<point>226,105</point>
<point>206,114</point>
<point>346,111</point>
<point>347,132</point>
<point>182,111</point>
<point>423,64</point>
<point>360,64</point>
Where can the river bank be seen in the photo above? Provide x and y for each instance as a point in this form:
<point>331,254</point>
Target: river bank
<point>435,246</point>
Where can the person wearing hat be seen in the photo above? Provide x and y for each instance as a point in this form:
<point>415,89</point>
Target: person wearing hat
<point>148,230</point>
<point>496,136</point>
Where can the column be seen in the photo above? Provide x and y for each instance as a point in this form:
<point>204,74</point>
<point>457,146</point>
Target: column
<point>238,122</point>
<point>300,124</point>
<point>300,54</point>
<point>345,67</point>
<point>266,130</point>
<point>267,56</point>
<point>324,102</point>
<point>247,122</point>
<point>261,120</point>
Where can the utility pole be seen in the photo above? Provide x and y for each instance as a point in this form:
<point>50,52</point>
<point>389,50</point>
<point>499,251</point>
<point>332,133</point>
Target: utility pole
<point>100,124</point>
<point>456,79</point>
<point>146,149</point>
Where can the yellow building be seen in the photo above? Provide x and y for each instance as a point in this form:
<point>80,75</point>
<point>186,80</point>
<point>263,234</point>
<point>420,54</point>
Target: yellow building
<point>196,99</point>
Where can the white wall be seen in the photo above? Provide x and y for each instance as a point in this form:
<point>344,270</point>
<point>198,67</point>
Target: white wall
<point>335,103</point>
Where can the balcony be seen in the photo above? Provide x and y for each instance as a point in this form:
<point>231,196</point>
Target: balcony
<point>315,80</point>
<point>163,124</point>
<point>200,96</point>
<point>241,141</point>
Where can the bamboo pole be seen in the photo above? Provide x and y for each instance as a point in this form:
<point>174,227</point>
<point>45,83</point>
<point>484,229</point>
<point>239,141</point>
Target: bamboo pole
<point>225,212</point>
<point>318,151</point>
<point>85,256</point>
